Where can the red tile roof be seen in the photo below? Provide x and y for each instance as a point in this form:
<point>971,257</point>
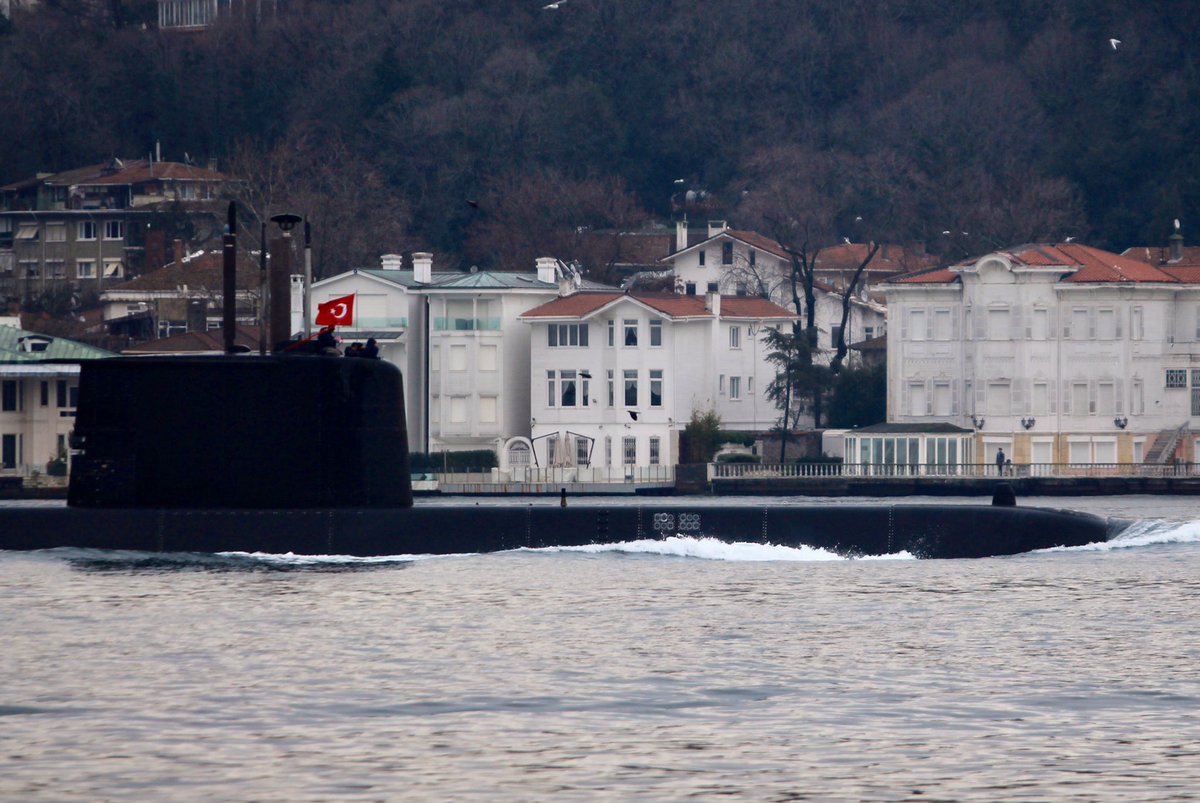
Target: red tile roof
<point>1082,264</point>
<point>672,305</point>
<point>194,342</point>
<point>1161,256</point>
<point>889,258</point>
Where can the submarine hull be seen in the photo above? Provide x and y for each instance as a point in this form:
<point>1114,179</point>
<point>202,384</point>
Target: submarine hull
<point>924,531</point>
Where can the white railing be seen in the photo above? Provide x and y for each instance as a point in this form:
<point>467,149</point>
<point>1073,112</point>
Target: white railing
<point>556,474</point>
<point>964,470</point>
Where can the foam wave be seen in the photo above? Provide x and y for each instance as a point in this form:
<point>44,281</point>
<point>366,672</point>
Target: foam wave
<point>1146,532</point>
<point>714,549</point>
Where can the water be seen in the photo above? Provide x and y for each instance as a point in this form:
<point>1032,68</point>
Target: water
<point>685,670</point>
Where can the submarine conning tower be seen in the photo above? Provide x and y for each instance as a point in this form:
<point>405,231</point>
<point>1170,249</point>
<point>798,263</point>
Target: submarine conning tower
<point>245,432</point>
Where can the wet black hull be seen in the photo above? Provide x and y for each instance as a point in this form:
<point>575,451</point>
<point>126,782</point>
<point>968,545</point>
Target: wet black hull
<point>926,531</point>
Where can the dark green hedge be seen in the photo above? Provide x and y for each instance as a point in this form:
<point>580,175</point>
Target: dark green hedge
<point>474,460</point>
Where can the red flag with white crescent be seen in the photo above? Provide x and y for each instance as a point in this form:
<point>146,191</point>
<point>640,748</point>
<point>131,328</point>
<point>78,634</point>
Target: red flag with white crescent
<point>336,312</point>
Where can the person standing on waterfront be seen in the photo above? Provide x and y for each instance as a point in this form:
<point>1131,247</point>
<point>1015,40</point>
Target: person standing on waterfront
<point>1000,461</point>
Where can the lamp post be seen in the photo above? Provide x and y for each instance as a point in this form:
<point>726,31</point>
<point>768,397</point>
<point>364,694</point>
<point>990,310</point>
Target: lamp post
<point>1121,422</point>
<point>1028,422</point>
<point>281,268</point>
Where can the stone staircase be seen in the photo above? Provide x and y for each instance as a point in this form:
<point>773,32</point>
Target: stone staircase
<point>1165,444</point>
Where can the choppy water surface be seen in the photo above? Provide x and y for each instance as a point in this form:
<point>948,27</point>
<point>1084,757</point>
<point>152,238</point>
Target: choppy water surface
<point>631,672</point>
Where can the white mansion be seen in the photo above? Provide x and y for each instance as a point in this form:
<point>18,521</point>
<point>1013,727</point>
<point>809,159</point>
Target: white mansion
<point>1057,353</point>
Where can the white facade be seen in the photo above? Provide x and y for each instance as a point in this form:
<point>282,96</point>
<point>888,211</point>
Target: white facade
<point>747,264</point>
<point>615,378</point>
<point>457,339</point>
<point>1055,354</point>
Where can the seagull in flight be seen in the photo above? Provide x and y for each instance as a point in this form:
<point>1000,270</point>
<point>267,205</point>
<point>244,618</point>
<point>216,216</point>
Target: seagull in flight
<point>1114,42</point>
<point>554,5</point>
<point>846,240</point>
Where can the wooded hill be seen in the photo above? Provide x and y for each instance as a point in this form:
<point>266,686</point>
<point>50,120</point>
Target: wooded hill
<point>491,131</point>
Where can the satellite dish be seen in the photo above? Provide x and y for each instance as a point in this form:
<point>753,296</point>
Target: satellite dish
<point>474,269</point>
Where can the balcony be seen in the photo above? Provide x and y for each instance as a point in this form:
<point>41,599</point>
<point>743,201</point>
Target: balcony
<point>466,324</point>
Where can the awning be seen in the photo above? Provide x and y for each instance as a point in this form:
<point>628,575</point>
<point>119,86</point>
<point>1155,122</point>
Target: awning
<point>27,231</point>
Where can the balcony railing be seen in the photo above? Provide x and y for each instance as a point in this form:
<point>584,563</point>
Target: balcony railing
<point>557,475</point>
<point>466,324</point>
<point>964,470</point>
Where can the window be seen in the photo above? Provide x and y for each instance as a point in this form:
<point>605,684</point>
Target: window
<point>654,451</point>
<point>56,268</point>
<point>750,385</point>
<point>86,230</point>
<point>1106,324</point>
<point>835,333</point>
<point>741,289</point>
<point>612,325</point>
<point>735,387</point>
<point>998,326</point>
<point>629,451</point>
<point>568,334</point>
<point>726,253</point>
<point>60,393</point>
<point>458,358</point>
<point>487,358</point>
<point>458,409</point>
<point>721,384</point>
<point>567,388</point>
<point>1079,324</point>
<point>753,258</point>
<point>689,288</point>
<point>27,231</point>
<point>56,232</point>
<point>487,409</point>
<point>10,399</point>
<point>1106,401</point>
<point>1135,324</point>
<point>1039,328</point>
<point>713,287</point>
<point>631,331</point>
<point>113,269</point>
<point>735,337</point>
<point>941,324</point>
<point>611,389</point>
<point>114,230</point>
<point>631,388</point>
<point>656,387</point>
<point>583,449</point>
<point>85,268</point>
<point>702,255</point>
<point>45,394</point>
<point>30,269</point>
<point>656,332</point>
<point>1041,398</point>
<point>8,452</point>
<point>1176,378</point>
<point>916,324</point>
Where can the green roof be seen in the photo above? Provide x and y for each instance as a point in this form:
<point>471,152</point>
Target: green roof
<point>57,348</point>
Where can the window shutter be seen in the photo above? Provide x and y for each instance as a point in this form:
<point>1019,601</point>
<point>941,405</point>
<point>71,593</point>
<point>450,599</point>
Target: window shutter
<point>903,324</point>
<point>904,398</point>
<point>1018,321</point>
<point>1118,313</point>
<point>929,391</point>
<point>1092,328</point>
<point>1170,323</point>
<point>1120,397</point>
<point>1091,397</point>
<point>929,325</point>
<point>1066,330</point>
<point>1029,324</point>
<point>981,324</point>
<point>1052,324</point>
<point>1066,397</point>
<point>954,313</point>
<point>1052,395</point>
<point>980,397</point>
<point>954,397</point>
<point>1018,396</point>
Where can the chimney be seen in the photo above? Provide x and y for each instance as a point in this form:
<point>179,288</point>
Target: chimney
<point>392,261</point>
<point>716,227</point>
<point>681,240</point>
<point>547,268</point>
<point>712,303</point>
<point>422,267</point>
<point>178,252</point>
<point>1176,244</point>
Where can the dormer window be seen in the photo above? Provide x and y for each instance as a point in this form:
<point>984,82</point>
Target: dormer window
<point>34,343</point>
<point>727,253</point>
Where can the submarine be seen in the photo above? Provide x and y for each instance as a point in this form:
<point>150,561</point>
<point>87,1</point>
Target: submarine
<point>308,454</point>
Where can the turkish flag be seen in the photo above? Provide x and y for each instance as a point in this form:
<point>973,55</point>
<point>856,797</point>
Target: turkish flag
<point>337,312</point>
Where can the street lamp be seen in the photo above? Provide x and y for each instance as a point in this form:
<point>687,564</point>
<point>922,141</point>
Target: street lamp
<point>1028,422</point>
<point>977,421</point>
<point>1121,422</point>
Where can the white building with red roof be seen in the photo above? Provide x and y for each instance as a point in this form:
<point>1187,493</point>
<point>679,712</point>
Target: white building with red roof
<point>1055,353</point>
<point>745,263</point>
<point>615,377</point>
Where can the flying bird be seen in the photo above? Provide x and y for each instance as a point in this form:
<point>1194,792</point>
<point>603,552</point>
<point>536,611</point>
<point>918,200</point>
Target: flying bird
<point>554,5</point>
<point>472,204</point>
<point>1114,42</point>
<point>1069,239</point>
<point>946,234</point>
<point>1176,224</point>
<point>633,414</point>
<point>846,240</point>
